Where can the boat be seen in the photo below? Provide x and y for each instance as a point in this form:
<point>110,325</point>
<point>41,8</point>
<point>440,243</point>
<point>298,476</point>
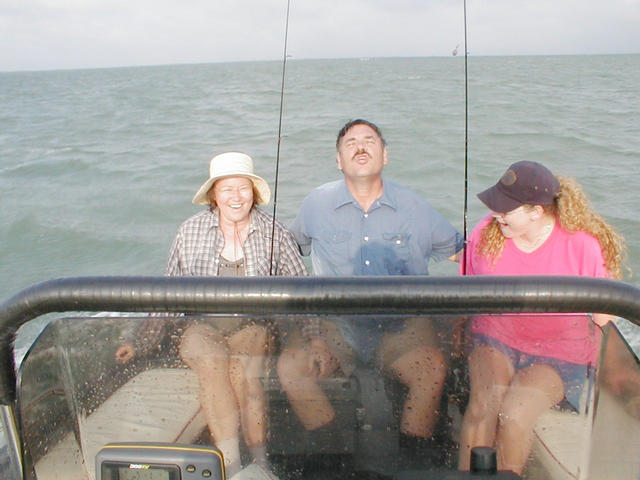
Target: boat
<point>68,406</point>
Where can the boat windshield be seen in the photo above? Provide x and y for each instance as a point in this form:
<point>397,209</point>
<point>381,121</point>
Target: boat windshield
<point>393,394</point>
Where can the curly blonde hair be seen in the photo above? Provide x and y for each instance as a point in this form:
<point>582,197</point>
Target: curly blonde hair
<point>573,211</point>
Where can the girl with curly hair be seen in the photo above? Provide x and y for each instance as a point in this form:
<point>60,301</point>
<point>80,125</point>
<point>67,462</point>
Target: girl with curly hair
<point>521,365</point>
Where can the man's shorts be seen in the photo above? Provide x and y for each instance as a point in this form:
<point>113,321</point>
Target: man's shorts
<point>379,343</point>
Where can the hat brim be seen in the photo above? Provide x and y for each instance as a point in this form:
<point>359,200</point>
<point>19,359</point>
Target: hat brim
<point>261,188</point>
<point>497,201</point>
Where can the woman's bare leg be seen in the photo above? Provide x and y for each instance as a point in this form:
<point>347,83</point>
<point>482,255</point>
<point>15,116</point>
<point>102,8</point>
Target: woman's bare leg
<point>248,351</point>
<point>533,391</point>
<point>490,373</point>
<point>204,350</point>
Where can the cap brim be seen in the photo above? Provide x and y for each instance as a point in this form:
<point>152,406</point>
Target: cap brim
<point>497,201</point>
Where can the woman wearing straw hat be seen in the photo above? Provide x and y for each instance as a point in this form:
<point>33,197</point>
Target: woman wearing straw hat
<point>230,238</point>
<point>522,364</point>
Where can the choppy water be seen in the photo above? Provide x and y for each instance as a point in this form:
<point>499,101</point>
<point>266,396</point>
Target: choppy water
<point>98,167</point>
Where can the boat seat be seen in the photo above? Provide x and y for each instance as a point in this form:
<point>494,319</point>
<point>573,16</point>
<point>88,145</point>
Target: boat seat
<point>557,444</point>
<point>560,444</point>
<point>142,410</point>
<point>563,457</point>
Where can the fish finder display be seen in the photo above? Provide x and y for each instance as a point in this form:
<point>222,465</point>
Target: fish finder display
<point>139,471</point>
<point>158,461</point>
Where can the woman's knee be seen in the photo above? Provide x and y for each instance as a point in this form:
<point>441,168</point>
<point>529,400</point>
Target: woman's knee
<point>258,333</point>
<point>533,391</point>
<point>251,340</point>
<point>202,345</point>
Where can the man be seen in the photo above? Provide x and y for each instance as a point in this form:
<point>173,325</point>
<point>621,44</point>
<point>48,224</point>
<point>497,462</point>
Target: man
<point>366,225</point>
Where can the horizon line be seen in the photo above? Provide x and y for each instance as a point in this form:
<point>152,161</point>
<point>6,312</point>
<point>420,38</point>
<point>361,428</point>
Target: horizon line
<point>293,59</point>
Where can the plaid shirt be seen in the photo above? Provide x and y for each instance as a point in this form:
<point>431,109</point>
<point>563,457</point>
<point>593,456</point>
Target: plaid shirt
<point>196,251</point>
<point>197,247</point>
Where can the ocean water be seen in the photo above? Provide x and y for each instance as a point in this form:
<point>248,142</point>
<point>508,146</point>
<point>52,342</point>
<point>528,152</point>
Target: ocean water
<point>98,167</point>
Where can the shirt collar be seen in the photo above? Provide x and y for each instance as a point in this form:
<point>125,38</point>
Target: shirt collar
<point>344,197</point>
<point>214,217</point>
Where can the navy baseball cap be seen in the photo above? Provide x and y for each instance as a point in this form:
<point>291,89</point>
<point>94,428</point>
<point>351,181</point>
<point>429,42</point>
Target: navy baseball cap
<point>524,183</point>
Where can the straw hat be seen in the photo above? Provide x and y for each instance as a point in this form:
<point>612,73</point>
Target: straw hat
<point>233,164</point>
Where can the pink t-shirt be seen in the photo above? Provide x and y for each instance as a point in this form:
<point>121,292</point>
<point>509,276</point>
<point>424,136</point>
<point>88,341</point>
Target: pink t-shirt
<point>570,337</point>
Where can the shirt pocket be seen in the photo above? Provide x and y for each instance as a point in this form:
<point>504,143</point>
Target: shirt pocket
<point>337,243</point>
<point>397,252</point>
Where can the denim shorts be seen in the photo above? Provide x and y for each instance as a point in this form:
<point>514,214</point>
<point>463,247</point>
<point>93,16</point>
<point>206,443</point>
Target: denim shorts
<point>574,376</point>
<point>378,343</point>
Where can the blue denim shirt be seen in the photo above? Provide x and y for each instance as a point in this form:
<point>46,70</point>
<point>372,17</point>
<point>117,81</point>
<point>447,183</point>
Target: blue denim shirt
<point>399,234</point>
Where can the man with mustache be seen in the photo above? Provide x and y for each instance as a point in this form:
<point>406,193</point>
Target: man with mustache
<point>365,224</point>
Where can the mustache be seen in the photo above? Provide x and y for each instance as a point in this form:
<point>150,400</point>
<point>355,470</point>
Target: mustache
<point>361,151</point>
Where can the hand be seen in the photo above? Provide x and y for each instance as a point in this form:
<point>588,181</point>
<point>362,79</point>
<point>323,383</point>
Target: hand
<point>125,353</point>
<point>456,257</point>
<point>601,319</point>
<point>320,359</point>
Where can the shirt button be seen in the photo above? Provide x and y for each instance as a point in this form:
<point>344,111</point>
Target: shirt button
<point>366,215</point>
<point>367,262</point>
<point>366,238</point>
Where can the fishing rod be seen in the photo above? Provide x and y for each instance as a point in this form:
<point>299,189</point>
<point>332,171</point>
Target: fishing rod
<point>275,188</point>
<point>466,146</point>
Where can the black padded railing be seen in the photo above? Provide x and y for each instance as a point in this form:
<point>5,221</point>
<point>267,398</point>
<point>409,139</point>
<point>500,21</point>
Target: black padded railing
<point>309,295</point>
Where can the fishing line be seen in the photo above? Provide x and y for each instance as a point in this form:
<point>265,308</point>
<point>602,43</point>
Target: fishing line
<point>275,188</point>
<point>466,146</point>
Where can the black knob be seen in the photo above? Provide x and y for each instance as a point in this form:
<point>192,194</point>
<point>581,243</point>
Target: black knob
<point>483,460</point>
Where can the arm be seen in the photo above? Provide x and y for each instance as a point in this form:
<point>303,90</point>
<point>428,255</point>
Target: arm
<point>594,265</point>
<point>151,331</point>
<point>147,337</point>
<point>289,258</point>
<point>446,242</point>
<point>299,231</point>
<point>174,263</point>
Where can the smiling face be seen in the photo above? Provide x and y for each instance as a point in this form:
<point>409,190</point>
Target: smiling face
<point>361,153</point>
<point>234,198</point>
<point>515,223</point>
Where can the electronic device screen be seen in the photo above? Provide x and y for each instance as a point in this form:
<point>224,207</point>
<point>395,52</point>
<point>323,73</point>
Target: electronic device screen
<point>158,461</point>
<point>139,471</point>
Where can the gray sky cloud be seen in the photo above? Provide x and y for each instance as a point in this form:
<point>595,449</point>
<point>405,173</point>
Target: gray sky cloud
<point>52,34</point>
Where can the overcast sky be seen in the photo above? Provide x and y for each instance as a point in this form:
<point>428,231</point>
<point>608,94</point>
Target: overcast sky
<point>60,34</point>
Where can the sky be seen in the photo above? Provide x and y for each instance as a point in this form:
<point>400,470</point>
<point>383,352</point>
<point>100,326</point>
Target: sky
<point>65,34</point>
